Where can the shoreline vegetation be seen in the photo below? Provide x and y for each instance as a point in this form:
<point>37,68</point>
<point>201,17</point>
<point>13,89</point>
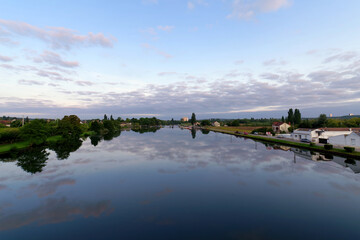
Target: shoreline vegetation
<point>237,132</point>
<point>70,129</point>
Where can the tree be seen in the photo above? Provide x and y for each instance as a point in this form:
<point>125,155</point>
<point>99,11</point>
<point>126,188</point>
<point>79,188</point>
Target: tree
<point>290,117</point>
<point>282,119</point>
<point>297,116</point>
<point>105,117</point>
<point>36,132</point>
<point>27,120</point>
<point>322,120</point>
<point>205,123</point>
<point>193,119</point>
<point>95,126</point>
<point>70,126</point>
<point>111,118</point>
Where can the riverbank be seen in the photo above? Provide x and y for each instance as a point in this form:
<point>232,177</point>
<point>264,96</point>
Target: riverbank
<point>334,151</point>
<point>5,148</point>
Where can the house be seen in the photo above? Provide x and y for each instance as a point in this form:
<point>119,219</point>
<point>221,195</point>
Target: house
<point>185,119</point>
<point>352,139</point>
<point>319,135</point>
<point>278,127</point>
<point>216,124</point>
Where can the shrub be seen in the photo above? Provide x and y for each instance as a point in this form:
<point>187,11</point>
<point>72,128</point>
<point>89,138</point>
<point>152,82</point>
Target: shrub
<point>349,149</point>
<point>312,144</point>
<point>328,146</point>
<point>9,135</point>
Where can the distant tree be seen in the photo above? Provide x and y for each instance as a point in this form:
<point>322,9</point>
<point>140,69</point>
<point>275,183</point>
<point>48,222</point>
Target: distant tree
<point>95,126</point>
<point>193,119</point>
<point>282,119</point>
<point>322,120</point>
<point>27,120</point>
<point>111,118</point>
<point>105,117</point>
<point>35,131</point>
<point>297,116</point>
<point>70,126</point>
<point>205,123</point>
<point>290,117</point>
<point>15,124</point>
<point>109,125</point>
<point>172,121</point>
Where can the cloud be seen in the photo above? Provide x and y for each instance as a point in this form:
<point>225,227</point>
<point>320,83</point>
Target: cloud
<point>5,58</point>
<point>156,50</point>
<point>342,57</point>
<point>84,83</point>
<point>161,74</point>
<point>150,1</point>
<point>274,62</point>
<point>239,62</point>
<point>54,211</point>
<point>29,82</point>
<point>190,5</point>
<point>55,59</point>
<point>57,37</point>
<point>246,9</point>
<point>166,28</point>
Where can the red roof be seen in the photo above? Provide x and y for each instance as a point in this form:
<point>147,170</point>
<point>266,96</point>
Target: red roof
<point>277,124</point>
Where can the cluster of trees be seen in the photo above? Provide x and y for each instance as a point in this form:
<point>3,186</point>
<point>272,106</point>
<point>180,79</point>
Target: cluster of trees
<point>294,117</point>
<point>323,121</point>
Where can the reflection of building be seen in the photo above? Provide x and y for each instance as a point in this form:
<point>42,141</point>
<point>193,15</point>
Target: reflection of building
<point>185,119</point>
<point>281,147</point>
<point>354,165</point>
<point>350,163</point>
<point>280,127</point>
<point>313,156</point>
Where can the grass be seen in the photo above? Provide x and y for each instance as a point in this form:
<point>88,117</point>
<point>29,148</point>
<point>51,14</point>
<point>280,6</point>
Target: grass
<point>335,151</point>
<point>53,139</point>
<point>19,145</point>
<point>25,144</point>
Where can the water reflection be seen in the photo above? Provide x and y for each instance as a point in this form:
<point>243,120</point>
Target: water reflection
<point>213,186</point>
<point>65,147</point>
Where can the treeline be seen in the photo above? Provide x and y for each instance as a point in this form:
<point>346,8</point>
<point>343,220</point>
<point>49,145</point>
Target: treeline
<point>323,121</point>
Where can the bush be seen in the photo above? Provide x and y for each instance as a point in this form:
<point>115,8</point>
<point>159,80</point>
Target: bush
<point>9,135</point>
<point>312,144</point>
<point>328,146</point>
<point>349,149</point>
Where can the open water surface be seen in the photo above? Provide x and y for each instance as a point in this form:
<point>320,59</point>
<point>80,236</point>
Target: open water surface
<point>174,184</point>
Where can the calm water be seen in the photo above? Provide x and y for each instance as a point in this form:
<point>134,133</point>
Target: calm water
<point>170,185</point>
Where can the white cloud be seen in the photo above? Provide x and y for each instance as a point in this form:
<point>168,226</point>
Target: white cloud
<point>55,59</point>
<point>246,9</point>
<point>57,37</point>
<point>5,58</point>
<point>166,28</point>
<point>156,50</point>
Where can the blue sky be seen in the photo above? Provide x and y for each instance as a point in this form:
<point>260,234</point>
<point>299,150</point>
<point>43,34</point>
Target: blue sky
<point>168,58</point>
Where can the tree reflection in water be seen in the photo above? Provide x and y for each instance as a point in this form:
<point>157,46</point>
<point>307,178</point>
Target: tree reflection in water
<point>193,133</point>
<point>33,160</point>
<point>64,147</point>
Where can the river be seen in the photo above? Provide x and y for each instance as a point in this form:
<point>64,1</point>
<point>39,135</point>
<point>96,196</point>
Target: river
<point>174,184</point>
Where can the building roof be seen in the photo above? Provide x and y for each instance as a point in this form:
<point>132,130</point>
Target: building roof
<point>278,124</point>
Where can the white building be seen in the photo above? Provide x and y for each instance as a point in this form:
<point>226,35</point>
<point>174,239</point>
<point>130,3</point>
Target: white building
<point>280,127</point>
<point>320,135</point>
<point>305,133</point>
<point>352,139</point>
<point>216,124</point>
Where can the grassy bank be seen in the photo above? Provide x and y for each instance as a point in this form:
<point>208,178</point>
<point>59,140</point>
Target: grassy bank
<point>334,151</point>
<point>25,144</point>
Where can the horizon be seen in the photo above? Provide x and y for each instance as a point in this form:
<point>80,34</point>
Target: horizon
<point>166,59</point>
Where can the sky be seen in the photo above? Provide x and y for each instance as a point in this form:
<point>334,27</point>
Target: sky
<point>169,58</point>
